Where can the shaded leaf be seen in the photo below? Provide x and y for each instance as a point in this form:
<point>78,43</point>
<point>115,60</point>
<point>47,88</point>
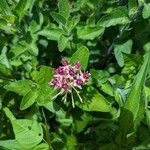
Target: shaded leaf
<point>122,48</point>
<point>94,101</point>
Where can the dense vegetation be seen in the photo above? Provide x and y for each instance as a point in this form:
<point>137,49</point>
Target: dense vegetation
<point>107,105</point>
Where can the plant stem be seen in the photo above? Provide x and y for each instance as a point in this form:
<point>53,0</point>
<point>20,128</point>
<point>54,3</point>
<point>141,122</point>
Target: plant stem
<point>47,130</point>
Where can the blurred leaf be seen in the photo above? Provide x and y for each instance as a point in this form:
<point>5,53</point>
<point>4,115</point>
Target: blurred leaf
<point>90,33</point>
<point>146,11</point>
<point>58,18</point>
<point>9,114</point>
<point>64,8</point>
<point>81,55</point>
<point>3,58</point>
<point>4,7</point>
<point>10,145</point>
<point>132,7</point>
<point>21,8</point>
<point>148,117</point>
<point>42,146</point>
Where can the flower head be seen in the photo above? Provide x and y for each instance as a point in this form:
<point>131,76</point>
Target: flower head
<point>68,77</point>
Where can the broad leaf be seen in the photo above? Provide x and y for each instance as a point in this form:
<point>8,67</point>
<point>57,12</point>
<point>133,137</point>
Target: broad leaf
<point>94,101</point>
<point>146,11</point>
<point>21,87</point>
<point>133,111</point>
<point>11,145</point>
<point>4,7</point>
<point>62,42</point>
<point>42,146</point>
<point>42,76</point>
<point>81,55</point>
<point>64,8</point>
<point>117,16</point>
<point>148,117</point>
<point>21,8</point>
<point>25,131</point>
<point>51,33</point>
<point>58,18</point>
<point>90,33</point>
<point>122,48</point>
<point>45,94</point>
<point>29,99</point>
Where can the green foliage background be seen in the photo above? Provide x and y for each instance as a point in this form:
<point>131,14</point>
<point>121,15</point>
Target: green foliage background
<point>111,39</point>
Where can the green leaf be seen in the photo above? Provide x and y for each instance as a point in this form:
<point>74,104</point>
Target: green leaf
<point>21,8</point>
<point>62,42</point>
<point>107,88</point>
<point>82,121</point>
<point>99,76</point>
<point>146,11</point>
<point>3,58</point>
<point>81,55</point>
<point>28,133</point>
<point>25,131</point>
<point>9,114</point>
<point>4,7</point>
<point>51,33</point>
<point>133,111</point>
<point>132,7</point>
<point>42,146</point>
<point>148,118</point>
<point>45,94</point>
<point>21,87</point>
<point>89,33</point>
<point>122,48</point>
<point>64,8</point>
<point>11,144</point>
<point>93,101</point>
<point>118,16</point>
<point>58,18</point>
<point>42,76</point>
<point>29,99</point>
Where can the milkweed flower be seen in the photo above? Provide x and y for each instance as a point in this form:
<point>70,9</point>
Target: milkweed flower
<point>67,78</point>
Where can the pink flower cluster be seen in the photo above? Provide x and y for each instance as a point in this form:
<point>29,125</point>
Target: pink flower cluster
<point>68,77</point>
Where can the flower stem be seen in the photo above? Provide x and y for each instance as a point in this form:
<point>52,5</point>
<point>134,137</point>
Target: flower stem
<point>65,98</point>
<point>78,94</point>
<point>72,99</point>
<point>56,95</point>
